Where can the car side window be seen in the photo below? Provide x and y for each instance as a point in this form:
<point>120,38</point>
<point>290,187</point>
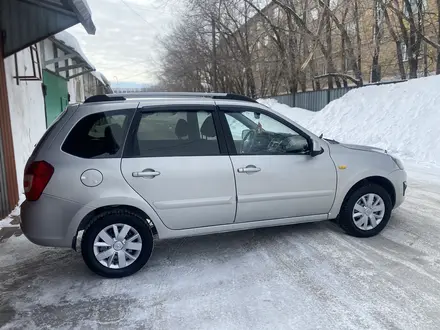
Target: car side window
<point>99,135</point>
<point>179,133</point>
<point>259,134</point>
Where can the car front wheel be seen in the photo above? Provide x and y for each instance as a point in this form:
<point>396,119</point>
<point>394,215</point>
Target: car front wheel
<point>117,243</point>
<point>367,211</point>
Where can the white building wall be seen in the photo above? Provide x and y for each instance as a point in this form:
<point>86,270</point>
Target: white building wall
<point>26,101</point>
<point>75,86</point>
<point>26,104</point>
<point>49,55</point>
<point>90,85</point>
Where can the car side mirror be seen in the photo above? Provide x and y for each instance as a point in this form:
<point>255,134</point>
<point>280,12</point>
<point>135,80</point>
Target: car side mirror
<point>244,133</point>
<point>316,149</point>
<point>296,144</point>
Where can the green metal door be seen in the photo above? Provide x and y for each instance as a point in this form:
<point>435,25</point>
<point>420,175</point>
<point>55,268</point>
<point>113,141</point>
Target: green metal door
<point>56,97</point>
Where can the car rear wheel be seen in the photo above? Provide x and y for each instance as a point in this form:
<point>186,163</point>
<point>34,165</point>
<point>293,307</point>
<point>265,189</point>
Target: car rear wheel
<point>366,211</point>
<point>117,243</point>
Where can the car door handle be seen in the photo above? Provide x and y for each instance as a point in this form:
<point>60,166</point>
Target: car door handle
<point>148,173</point>
<point>249,169</point>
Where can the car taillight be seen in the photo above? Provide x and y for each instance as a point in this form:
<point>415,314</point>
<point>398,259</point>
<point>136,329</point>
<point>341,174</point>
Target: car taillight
<point>36,177</point>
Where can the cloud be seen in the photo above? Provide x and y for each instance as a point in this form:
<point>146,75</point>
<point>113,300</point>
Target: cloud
<point>126,44</point>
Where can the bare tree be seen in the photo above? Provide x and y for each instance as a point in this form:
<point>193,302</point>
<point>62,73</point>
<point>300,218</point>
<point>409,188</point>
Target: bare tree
<point>394,35</point>
<point>273,31</point>
<point>437,70</point>
<point>350,50</point>
<point>302,26</point>
<point>343,56</point>
<point>411,21</point>
<point>377,38</point>
<point>246,47</point>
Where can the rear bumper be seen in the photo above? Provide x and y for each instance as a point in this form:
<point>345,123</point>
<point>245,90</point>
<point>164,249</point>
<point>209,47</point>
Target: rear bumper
<point>399,180</point>
<point>45,222</point>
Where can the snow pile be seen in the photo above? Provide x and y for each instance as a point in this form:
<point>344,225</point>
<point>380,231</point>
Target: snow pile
<point>403,118</point>
<point>299,115</point>
<point>6,222</point>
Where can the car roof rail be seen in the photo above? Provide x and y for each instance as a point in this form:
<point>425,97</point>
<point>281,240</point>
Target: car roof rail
<point>126,96</point>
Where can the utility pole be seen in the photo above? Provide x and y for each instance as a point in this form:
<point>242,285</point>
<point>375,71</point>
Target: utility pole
<point>214,56</point>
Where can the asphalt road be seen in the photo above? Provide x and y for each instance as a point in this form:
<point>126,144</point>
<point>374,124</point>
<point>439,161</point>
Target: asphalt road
<point>297,277</point>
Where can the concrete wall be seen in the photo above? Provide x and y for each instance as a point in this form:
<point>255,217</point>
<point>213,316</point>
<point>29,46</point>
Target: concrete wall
<point>26,104</point>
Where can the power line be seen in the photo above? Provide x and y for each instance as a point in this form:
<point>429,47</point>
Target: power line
<point>152,7</point>
<point>136,13</point>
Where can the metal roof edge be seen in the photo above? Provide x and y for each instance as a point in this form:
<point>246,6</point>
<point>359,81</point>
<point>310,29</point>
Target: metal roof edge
<point>84,14</point>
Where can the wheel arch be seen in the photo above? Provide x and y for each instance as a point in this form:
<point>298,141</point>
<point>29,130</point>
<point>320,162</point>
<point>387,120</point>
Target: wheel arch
<point>379,180</point>
<point>88,212</point>
<point>86,220</point>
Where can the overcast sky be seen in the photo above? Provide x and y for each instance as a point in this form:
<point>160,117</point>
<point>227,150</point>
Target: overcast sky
<point>126,41</point>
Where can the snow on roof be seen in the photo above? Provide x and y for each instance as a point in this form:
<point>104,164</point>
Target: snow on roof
<point>71,42</point>
<point>98,75</point>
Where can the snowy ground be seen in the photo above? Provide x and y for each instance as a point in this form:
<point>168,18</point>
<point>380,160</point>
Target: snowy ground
<point>297,277</point>
<point>12,219</point>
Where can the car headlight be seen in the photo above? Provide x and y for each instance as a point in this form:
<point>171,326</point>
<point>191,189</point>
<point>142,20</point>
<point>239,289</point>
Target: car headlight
<point>398,162</point>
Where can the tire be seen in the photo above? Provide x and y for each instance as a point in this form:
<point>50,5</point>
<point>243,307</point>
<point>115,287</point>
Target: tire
<point>347,215</point>
<point>140,232</point>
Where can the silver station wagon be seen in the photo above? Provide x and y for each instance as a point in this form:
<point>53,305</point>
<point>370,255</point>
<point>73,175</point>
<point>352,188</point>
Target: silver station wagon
<point>124,169</point>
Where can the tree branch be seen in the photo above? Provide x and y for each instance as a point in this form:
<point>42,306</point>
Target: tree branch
<point>401,16</point>
<point>350,49</point>
<point>267,19</point>
<point>299,21</point>
<point>340,75</point>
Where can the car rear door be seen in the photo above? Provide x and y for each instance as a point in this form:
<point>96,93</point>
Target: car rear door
<point>272,183</point>
<point>177,161</point>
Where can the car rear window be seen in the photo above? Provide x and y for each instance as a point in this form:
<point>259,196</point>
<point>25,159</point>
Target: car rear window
<point>99,135</point>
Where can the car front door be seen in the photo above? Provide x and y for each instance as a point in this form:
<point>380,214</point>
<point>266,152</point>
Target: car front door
<point>177,162</point>
<point>276,176</point>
